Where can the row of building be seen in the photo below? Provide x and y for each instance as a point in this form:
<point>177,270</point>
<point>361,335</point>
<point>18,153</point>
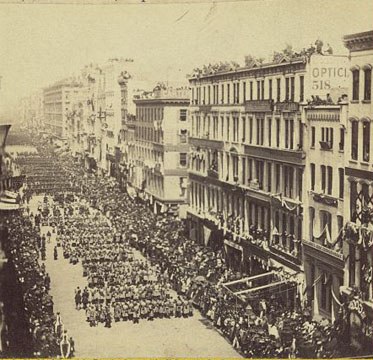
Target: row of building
<point>271,162</point>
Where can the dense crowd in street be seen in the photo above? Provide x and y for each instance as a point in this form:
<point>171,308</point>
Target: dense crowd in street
<point>101,227</point>
<point>25,250</point>
<point>120,286</point>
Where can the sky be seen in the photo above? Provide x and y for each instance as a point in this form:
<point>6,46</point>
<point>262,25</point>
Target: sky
<point>42,43</point>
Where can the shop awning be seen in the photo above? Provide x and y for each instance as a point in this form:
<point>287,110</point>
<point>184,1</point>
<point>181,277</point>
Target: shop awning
<point>7,200</point>
<point>259,285</point>
<point>7,206</point>
<point>10,194</point>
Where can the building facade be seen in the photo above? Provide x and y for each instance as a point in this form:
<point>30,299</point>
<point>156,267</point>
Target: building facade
<point>247,159</point>
<point>358,244</point>
<point>324,206</point>
<point>161,149</point>
<point>57,104</point>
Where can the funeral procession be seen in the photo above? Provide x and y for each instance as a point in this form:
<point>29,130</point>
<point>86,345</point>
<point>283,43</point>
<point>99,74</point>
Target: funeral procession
<point>177,180</point>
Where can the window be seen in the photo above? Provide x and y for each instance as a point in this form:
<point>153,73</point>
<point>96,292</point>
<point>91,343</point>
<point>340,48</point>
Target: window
<point>326,300</point>
<point>366,141</point>
<point>353,199</point>
<point>278,128</point>
<point>258,89</point>
<point>251,130</point>
<point>286,134</point>
<point>228,93</point>
<point>330,179</point>
<point>355,85</point>
<point>244,90</point>
<point>251,91</point>
<point>215,127</point>
<point>209,94</point>
<point>183,159</point>
<point>262,90</point>
<point>291,134</point>
<point>183,136</point>
<point>235,167</point>
<point>269,131</point>
<point>341,139</point>
<point>270,89</point>
<point>341,173</point>
<point>367,83</point>
<point>313,175</point>
<point>228,129</point>
<point>269,177</point>
<point>326,142</point>
<point>311,222</point>
<point>259,131</point>
<point>259,173</point>
<point>278,176</point>
<point>243,129</point>
<point>289,181</point>
<point>300,184</point>
<point>278,90</point>
<point>301,95</point>
<point>313,136</point>
<point>235,129</point>
<point>292,88</point>
<point>287,89</point>
<point>354,140</point>
<point>250,169</point>
<point>183,114</point>
<point>222,93</point>
<point>323,178</point>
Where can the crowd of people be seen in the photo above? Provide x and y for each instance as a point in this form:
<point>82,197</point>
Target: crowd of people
<point>120,286</point>
<point>24,249</point>
<point>104,229</point>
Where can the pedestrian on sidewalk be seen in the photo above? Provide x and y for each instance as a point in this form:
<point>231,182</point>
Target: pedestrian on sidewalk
<point>78,298</point>
<point>65,346</point>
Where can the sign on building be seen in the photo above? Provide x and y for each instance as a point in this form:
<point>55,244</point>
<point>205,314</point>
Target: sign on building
<point>328,74</point>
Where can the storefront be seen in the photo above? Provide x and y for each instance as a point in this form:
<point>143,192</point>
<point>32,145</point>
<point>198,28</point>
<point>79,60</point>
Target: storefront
<point>256,259</point>
<point>234,255</point>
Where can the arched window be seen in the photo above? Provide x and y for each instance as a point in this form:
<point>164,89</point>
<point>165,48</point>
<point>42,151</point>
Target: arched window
<point>355,82</point>
<point>367,81</point>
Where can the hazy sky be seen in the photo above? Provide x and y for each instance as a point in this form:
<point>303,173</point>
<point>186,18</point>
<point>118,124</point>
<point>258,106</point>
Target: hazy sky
<point>43,43</point>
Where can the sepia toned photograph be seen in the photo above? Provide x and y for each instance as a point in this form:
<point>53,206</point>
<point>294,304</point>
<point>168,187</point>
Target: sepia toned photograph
<point>186,179</point>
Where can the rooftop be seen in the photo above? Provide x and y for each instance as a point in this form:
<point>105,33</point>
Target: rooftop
<point>359,41</point>
<point>163,93</point>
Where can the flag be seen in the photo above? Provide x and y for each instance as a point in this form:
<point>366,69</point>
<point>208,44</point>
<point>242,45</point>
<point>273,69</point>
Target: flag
<point>327,236</point>
<point>206,234</point>
<point>315,301</point>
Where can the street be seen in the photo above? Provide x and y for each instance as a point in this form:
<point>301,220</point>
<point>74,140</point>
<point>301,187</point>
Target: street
<point>191,337</point>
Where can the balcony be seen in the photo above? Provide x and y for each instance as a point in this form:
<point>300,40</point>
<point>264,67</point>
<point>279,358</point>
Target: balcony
<point>206,142</point>
<point>258,106</point>
<point>326,145</point>
<point>287,106</point>
<point>213,174</point>
<point>283,254</point>
<point>312,247</point>
<point>296,157</point>
<point>325,199</point>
